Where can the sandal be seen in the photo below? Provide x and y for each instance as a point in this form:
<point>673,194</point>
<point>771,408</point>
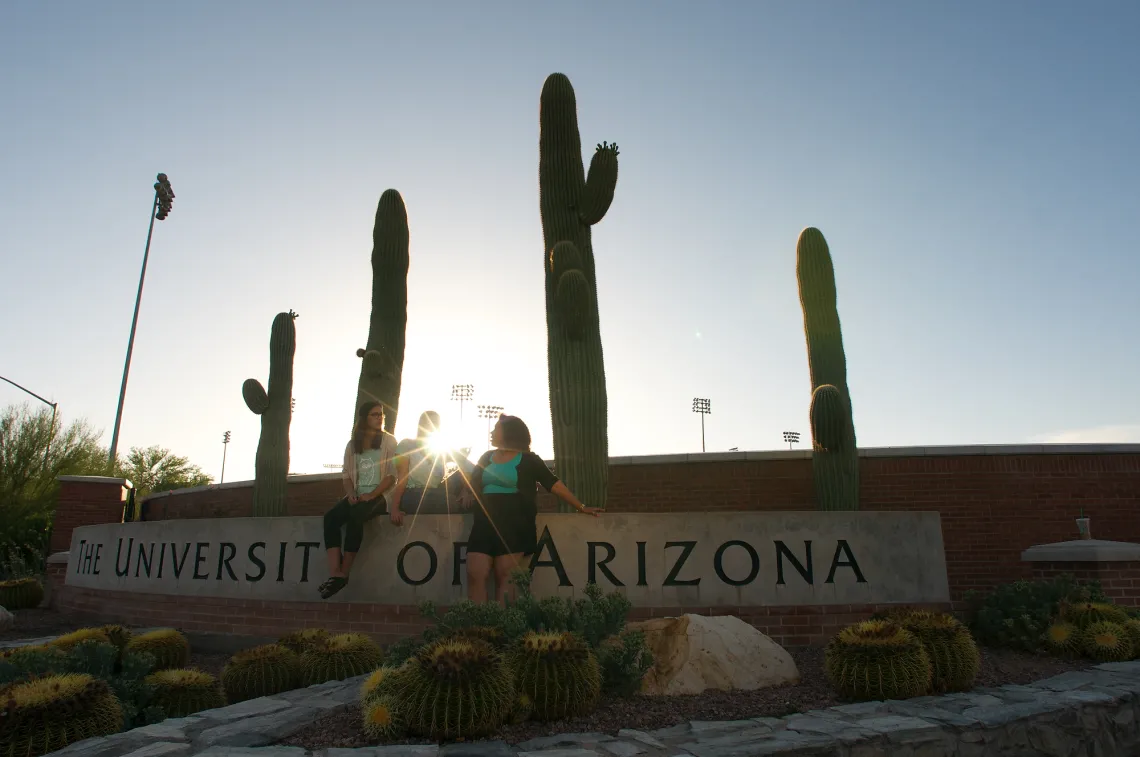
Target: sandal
<point>332,586</point>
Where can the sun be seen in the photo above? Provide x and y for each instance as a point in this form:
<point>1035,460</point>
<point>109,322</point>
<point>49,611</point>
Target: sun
<point>440,442</point>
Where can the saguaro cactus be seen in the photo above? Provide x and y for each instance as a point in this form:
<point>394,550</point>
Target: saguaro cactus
<point>571,202</point>
<point>835,458</point>
<point>383,364</point>
<point>275,409</point>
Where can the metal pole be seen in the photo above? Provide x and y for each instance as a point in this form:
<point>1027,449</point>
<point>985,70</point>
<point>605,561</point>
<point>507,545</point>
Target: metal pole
<point>131,341</point>
<point>702,432</point>
<point>54,408</point>
<point>225,445</point>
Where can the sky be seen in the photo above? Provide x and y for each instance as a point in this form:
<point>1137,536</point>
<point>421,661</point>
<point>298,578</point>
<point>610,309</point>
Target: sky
<point>973,165</point>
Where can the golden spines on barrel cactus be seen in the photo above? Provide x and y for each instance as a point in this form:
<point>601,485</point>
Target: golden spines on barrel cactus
<point>70,640</point>
<point>169,648</point>
<point>260,672</point>
<point>558,673</point>
<point>835,459</point>
<point>382,720</point>
<point>184,692</point>
<point>954,655</point>
<point>570,202</point>
<point>21,594</point>
<point>275,406</point>
<point>1084,614</point>
<point>1063,639</point>
<point>1105,641</point>
<point>490,634</point>
<point>379,683</point>
<point>382,367</point>
<point>1132,629</point>
<point>454,688</point>
<point>878,659</point>
<point>339,657</point>
<point>301,641</point>
<point>48,713</point>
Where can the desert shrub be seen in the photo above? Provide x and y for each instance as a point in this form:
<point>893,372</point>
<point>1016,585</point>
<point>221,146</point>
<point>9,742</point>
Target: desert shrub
<point>340,657</point>
<point>625,659</point>
<point>1016,615</point>
<point>21,594</point>
<point>184,692</point>
<point>557,673</point>
<point>169,648</point>
<point>46,714</point>
<point>260,672</point>
<point>877,659</point>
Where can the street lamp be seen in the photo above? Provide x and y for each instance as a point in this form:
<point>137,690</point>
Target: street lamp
<point>54,408</point>
<point>462,393</point>
<point>490,412</point>
<point>225,445</point>
<point>160,209</point>
<point>792,437</point>
<point>701,405</point>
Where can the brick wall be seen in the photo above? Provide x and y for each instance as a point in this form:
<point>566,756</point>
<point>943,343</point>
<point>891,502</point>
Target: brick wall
<point>994,502</point>
<point>86,501</point>
<point>1120,581</point>
<point>788,626</point>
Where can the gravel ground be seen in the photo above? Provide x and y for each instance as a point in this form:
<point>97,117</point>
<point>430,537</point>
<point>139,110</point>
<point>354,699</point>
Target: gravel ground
<point>999,667</point>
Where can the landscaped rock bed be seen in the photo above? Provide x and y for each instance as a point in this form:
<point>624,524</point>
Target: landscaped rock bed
<point>999,667</point>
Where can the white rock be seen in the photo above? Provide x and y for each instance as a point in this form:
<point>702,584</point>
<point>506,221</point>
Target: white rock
<point>693,653</point>
<point>6,620</point>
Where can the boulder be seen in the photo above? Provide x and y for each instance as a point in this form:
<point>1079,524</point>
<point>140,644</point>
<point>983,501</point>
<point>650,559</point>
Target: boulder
<point>6,620</point>
<point>693,653</point>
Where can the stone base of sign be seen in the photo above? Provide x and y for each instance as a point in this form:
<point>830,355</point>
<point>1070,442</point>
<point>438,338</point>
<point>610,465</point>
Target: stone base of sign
<point>1114,564</point>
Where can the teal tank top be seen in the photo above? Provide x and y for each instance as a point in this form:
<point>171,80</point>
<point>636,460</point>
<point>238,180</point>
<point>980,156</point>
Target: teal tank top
<point>502,478</point>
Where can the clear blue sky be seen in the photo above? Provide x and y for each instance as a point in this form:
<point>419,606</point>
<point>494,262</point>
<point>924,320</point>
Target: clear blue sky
<point>973,165</point>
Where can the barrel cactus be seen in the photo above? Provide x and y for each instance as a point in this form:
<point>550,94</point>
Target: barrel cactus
<point>301,641</point>
<point>21,594</point>
<point>183,692</point>
<point>379,683</point>
<point>339,657</point>
<point>1063,639</point>
<point>47,714</point>
<point>260,672</point>
<point>73,639</point>
<point>877,659</point>
<point>1132,629</point>
<point>954,655</point>
<point>454,689</point>
<point>1105,641</point>
<point>558,674</point>
<point>382,721</point>
<point>275,406</point>
<point>570,203</point>
<point>383,357</point>
<point>835,459</point>
<point>1085,614</point>
<point>169,648</point>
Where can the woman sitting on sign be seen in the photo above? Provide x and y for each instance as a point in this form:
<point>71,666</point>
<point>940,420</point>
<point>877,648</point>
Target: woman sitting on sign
<point>369,473</point>
<point>422,471</point>
<point>505,482</point>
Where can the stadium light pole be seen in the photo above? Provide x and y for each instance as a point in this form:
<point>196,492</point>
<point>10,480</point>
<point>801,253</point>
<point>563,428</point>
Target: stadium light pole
<point>490,412</point>
<point>462,393</point>
<point>701,405</point>
<point>159,210</point>
<point>792,437</point>
<point>225,445</point>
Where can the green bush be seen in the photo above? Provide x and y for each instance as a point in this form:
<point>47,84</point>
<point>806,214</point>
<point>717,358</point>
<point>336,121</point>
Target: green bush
<point>625,659</point>
<point>1017,615</point>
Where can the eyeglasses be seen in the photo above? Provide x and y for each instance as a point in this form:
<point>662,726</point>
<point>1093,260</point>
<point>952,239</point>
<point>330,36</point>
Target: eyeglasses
<point>376,415</point>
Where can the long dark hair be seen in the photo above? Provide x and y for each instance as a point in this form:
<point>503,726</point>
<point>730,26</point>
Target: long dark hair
<point>361,427</point>
<point>513,433</point>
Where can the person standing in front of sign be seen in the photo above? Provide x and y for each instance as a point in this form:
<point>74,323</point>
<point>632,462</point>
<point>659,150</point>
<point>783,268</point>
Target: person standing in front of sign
<point>369,472</point>
<point>505,482</point>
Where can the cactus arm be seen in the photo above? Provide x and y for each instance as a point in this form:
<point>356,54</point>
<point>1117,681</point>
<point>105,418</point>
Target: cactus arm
<point>827,418</point>
<point>255,397</point>
<point>598,193</point>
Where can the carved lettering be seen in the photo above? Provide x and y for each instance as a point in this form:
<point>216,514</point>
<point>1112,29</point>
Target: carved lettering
<point>459,557</point>
<point>641,564</point>
<point>842,548</point>
<point>306,545</point>
<point>143,559</point>
<point>686,549</point>
<point>718,563</point>
<point>546,541</point>
<point>200,558</point>
<point>178,566</point>
<point>256,561</point>
<point>603,566</point>
<point>432,563</point>
<point>782,551</point>
<point>224,559</point>
<point>124,570</point>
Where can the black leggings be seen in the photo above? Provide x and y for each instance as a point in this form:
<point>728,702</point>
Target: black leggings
<point>344,513</point>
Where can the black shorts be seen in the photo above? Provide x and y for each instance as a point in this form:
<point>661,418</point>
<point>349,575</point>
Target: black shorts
<point>505,524</point>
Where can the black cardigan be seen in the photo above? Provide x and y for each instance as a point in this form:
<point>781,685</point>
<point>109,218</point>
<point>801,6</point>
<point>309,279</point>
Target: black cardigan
<point>532,472</point>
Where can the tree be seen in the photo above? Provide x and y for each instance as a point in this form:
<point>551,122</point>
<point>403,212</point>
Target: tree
<point>157,469</point>
<point>34,452</point>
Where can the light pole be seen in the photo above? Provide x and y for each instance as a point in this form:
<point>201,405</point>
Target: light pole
<point>462,393</point>
<point>701,405</point>
<point>54,408</point>
<point>160,209</point>
<point>225,445</point>
<point>792,437</point>
<point>490,412</point>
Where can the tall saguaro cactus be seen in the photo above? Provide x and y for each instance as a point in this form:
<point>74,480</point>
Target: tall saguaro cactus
<point>835,458</point>
<point>570,202</point>
<point>383,365</point>
<point>276,411</point>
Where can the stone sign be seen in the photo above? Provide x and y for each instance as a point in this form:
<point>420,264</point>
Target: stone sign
<point>691,559</point>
